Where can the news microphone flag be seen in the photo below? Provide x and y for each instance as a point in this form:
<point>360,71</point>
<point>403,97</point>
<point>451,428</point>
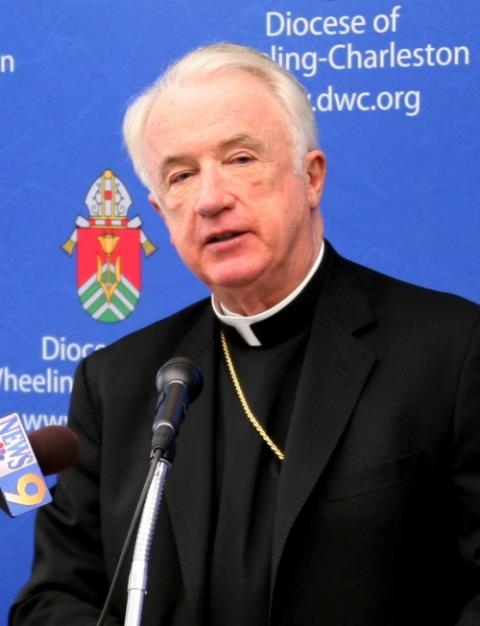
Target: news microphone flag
<point>22,485</point>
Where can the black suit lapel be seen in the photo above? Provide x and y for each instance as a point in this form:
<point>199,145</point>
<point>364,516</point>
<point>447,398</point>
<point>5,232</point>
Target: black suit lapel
<point>189,486</point>
<point>334,372</point>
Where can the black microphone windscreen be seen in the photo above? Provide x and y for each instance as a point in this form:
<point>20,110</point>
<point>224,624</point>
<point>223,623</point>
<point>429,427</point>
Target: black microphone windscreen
<point>180,369</point>
<point>55,447</point>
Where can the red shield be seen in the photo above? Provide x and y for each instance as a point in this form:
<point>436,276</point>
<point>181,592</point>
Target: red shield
<point>109,271</point>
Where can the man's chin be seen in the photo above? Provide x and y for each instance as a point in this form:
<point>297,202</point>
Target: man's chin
<point>233,283</point>
<point>233,272</point>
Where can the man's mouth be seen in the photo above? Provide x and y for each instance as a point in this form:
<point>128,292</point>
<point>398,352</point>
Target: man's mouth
<point>223,237</point>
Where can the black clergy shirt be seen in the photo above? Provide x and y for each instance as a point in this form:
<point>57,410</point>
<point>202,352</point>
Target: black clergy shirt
<point>246,471</point>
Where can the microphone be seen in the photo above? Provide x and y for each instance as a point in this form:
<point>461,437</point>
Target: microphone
<point>56,448</point>
<point>25,460</point>
<point>178,383</point>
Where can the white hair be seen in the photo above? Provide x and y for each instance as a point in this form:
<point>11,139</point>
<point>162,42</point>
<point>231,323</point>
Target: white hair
<point>216,59</point>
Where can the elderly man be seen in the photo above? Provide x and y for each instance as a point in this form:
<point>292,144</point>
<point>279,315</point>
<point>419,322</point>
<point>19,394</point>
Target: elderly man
<point>330,471</point>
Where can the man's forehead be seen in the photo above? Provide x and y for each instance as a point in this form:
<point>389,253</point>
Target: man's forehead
<point>213,114</point>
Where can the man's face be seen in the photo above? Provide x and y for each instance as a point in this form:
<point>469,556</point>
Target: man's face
<point>243,218</point>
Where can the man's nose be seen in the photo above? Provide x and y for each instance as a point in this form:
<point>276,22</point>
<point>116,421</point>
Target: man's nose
<point>213,195</point>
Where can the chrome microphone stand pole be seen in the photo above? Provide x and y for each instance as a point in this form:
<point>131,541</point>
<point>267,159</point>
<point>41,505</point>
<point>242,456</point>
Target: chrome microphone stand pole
<point>137,582</point>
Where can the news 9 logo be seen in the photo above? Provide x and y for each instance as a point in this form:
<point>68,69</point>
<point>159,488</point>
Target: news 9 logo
<point>30,490</point>
<point>22,485</point>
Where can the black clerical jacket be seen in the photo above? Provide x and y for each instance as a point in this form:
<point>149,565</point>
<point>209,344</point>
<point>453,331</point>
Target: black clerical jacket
<point>377,520</point>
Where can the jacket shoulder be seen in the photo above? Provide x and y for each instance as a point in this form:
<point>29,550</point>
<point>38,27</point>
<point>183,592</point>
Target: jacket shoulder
<point>153,341</point>
<point>394,293</point>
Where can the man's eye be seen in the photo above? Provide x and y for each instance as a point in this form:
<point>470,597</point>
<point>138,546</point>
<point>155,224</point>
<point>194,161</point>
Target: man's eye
<point>179,178</point>
<point>242,159</point>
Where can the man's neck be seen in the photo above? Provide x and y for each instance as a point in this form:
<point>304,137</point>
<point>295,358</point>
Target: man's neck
<point>252,300</point>
<point>243,323</point>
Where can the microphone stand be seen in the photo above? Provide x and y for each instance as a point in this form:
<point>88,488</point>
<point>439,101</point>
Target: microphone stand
<point>137,581</point>
<point>178,383</point>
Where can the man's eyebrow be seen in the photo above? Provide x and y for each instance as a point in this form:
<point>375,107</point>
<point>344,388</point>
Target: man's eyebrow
<point>243,139</point>
<point>170,160</point>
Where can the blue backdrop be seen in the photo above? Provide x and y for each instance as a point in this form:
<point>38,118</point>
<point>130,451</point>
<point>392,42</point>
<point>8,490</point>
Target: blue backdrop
<point>395,87</point>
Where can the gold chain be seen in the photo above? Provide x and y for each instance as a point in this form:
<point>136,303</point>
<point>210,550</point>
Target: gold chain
<point>243,401</point>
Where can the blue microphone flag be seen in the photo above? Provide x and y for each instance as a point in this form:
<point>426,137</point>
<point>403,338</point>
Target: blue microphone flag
<point>22,485</point>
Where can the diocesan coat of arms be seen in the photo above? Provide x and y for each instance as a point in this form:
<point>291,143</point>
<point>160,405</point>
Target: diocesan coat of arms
<point>108,251</point>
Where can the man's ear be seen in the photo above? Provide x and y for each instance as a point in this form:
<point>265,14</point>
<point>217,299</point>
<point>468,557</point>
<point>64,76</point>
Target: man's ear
<point>315,172</point>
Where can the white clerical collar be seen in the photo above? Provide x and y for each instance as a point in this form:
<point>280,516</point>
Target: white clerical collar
<point>243,323</point>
